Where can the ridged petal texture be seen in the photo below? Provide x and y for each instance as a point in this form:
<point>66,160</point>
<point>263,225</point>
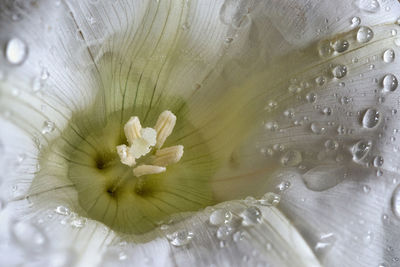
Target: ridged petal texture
<point>290,105</point>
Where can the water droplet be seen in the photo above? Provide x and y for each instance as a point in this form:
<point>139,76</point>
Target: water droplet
<point>269,199</point>
<point>63,210</point>
<point>320,80</point>
<point>224,232</point>
<point>317,128</point>
<point>238,236</point>
<point>325,49</point>
<point>331,145</point>
<point>389,83</point>
<point>366,189</point>
<point>289,113</point>
<point>340,45</point>
<point>251,216</point>
<point>370,118</point>
<point>355,21</point>
<point>78,222</point>
<point>122,256</point>
<point>324,177</point>
<point>16,51</point>
<point>294,89</point>
<point>311,97</point>
<point>364,34</point>
<point>327,111</point>
<point>291,158</point>
<point>324,244</point>
<point>272,125</point>
<point>28,235</point>
<point>220,216</point>
<point>283,186</point>
<point>388,56</point>
<point>370,6</point>
<point>378,161</point>
<point>339,71</point>
<point>396,202</point>
<point>344,100</point>
<point>360,150</point>
<point>180,238</point>
<point>393,32</point>
<point>48,127</point>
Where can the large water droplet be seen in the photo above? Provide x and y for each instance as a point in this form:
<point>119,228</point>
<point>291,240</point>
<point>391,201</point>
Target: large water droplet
<point>16,51</point>
<point>378,161</point>
<point>370,6</point>
<point>220,216</point>
<point>180,238</point>
<point>340,45</point>
<point>389,83</point>
<point>324,177</point>
<point>291,158</point>
<point>396,202</point>
<point>270,199</point>
<point>251,216</point>
<point>355,21</point>
<point>364,34</point>
<point>360,150</point>
<point>388,56</point>
<point>339,71</point>
<point>48,127</point>
<point>370,118</point>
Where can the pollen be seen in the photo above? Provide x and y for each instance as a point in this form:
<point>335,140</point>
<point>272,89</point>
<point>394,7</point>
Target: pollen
<point>145,153</point>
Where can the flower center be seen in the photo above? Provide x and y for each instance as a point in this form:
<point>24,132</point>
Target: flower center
<point>144,141</point>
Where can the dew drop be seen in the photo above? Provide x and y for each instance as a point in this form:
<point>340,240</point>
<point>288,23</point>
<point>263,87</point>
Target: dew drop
<point>331,145</point>
<point>320,80</point>
<point>180,238</point>
<point>355,22</point>
<point>48,127</point>
<point>370,118</point>
<point>324,244</point>
<point>62,210</point>
<point>291,158</point>
<point>366,189</point>
<point>220,216</point>
<point>283,186</point>
<point>224,232</point>
<point>325,49</point>
<point>269,199</point>
<point>317,128</point>
<point>396,202</point>
<point>378,161</point>
<point>344,100</point>
<point>389,83</point>
<point>340,45</point>
<point>324,177</point>
<point>311,97</point>
<point>388,56</point>
<point>16,51</point>
<point>251,216</point>
<point>78,222</point>
<point>339,71</point>
<point>370,6</point>
<point>364,34</point>
<point>360,150</point>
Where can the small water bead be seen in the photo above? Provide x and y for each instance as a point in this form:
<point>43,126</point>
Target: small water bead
<point>370,118</point>
<point>393,32</point>
<point>272,126</point>
<point>220,216</point>
<point>48,127</point>
<point>251,216</point>
<point>364,34</point>
<point>311,97</point>
<point>238,236</point>
<point>289,113</point>
<point>395,202</point>
<point>331,145</point>
<point>180,238</point>
<point>389,83</point>
<point>320,80</point>
<point>294,89</point>
<point>284,186</point>
<point>317,128</point>
<point>16,51</point>
<point>370,6</point>
<point>327,111</point>
<point>78,222</point>
<point>344,100</point>
<point>355,22</point>
<point>291,158</point>
<point>339,71</point>
<point>366,189</point>
<point>388,56</point>
<point>360,150</point>
<point>269,199</point>
<point>62,210</point>
<point>325,49</point>
<point>378,161</point>
<point>340,45</point>
<point>224,232</point>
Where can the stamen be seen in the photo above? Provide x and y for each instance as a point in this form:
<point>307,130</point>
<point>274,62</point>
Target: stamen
<point>147,169</point>
<point>168,155</point>
<point>132,129</point>
<point>164,126</point>
<point>125,156</point>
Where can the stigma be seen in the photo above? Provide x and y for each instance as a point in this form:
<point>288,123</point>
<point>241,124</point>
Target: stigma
<point>144,152</point>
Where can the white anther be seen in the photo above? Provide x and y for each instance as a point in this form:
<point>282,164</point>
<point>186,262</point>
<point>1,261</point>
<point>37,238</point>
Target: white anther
<point>164,126</point>
<point>125,156</point>
<point>132,129</point>
<point>168,155</point>
<point>147,169</point>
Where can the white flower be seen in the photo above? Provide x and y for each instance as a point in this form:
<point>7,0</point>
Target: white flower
<point>290,105</point>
